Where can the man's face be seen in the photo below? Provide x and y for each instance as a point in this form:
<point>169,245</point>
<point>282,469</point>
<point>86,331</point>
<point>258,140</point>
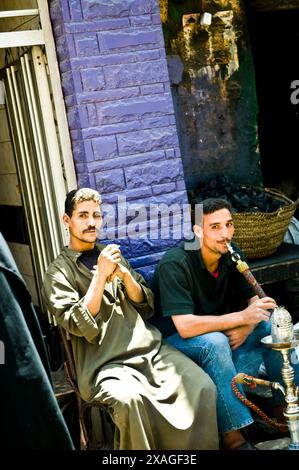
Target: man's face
<point>218,228</point>
<point>83,225</point>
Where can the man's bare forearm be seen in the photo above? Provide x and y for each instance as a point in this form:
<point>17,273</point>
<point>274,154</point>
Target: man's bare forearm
<point>194,325</point>
<point>94,294</point>
<point>133,289</point>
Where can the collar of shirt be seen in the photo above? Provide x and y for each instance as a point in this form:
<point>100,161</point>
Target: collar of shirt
<point>75,254</point>
<point>191,246</point>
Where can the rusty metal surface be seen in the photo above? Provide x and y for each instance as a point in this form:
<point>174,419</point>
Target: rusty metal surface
<point>61,384</point>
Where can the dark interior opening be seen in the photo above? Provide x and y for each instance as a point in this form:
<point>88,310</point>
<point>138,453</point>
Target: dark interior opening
<point>274,37</point>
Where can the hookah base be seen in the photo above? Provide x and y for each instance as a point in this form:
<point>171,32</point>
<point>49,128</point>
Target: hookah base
<point>293,446</point>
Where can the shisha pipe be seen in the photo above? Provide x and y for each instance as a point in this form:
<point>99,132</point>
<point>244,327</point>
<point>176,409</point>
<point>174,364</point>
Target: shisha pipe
<point>281,339</point>
<point>243,268</point>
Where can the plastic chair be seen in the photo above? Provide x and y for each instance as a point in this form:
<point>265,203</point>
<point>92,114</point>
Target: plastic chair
<point>106,430</point>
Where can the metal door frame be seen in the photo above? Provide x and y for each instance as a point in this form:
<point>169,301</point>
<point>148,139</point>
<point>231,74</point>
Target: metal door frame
<point>42,86</point>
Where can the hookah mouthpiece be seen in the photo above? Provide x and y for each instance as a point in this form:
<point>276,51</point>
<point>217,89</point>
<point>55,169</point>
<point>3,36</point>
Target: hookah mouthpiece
<point>234,255</point>
<point>282,329</point>
<point>230,248</point>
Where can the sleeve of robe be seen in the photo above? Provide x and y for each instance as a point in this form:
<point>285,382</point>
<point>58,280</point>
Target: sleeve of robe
<point>145,308</point>
<point>67,305</point>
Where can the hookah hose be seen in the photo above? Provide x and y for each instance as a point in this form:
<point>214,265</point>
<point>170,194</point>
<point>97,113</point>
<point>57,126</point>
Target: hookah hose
<point>243,268</point>
<point>252,382</point>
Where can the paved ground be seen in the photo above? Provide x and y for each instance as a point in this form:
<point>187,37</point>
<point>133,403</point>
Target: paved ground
<point>274,444</point>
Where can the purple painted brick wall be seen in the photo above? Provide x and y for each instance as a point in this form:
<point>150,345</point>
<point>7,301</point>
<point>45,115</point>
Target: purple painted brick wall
<point>120,113</point>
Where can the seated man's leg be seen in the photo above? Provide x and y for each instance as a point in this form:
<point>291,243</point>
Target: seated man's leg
<point>169,416</point>
<point>212,352</point>
<point>195,403</point>
<point>294,360</point>
<point>128,413</point>
<point>250,355</point>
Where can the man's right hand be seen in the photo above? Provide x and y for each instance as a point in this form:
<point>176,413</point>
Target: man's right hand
<point>258,310</point>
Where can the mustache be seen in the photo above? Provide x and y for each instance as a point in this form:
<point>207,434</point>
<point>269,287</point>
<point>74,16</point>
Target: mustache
<point>89,228</point>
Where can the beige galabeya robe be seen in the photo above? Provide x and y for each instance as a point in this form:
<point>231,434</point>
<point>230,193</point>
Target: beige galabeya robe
<point>157,397</point>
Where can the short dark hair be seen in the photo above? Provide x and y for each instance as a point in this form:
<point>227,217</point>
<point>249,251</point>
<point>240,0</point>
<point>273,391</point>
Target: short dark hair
<point>80,195</point>
<point>211,205</point>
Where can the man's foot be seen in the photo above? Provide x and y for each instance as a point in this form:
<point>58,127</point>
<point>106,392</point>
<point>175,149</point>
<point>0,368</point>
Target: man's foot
<point>233,440</point>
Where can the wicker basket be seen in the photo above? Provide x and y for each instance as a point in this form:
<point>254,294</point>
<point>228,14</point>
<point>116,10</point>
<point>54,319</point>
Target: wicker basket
<point>259,234</point>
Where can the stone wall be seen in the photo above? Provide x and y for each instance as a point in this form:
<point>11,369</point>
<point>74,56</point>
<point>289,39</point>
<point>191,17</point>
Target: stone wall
<point>119,106</point>
<point>213,85</point>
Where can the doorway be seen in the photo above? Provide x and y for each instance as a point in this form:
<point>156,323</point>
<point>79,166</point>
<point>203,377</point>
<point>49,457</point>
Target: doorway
<point>274,37</point>
<point>28,200</point>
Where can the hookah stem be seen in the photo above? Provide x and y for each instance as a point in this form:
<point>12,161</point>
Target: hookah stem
<point>243,268</point>
<point>253,282</point>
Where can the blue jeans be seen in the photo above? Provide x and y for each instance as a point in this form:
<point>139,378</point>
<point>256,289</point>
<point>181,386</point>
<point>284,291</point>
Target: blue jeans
<point>212,352</point>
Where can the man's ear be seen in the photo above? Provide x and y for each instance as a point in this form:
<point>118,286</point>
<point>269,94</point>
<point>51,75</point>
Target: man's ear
<point>66,220</point>
<point>197,229</point>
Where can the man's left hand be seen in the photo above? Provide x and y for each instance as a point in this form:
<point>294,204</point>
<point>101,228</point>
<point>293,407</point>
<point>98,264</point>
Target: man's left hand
<point>120,271</point>
<point>238,336</point>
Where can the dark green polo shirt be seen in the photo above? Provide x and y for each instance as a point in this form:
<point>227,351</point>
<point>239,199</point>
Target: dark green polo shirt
<point>182,285</point>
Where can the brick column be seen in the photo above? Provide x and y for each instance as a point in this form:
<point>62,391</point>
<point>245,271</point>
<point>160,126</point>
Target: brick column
<point>120,112</point>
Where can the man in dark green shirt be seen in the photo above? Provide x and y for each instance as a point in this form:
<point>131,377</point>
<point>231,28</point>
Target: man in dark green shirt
<point>156,396</point>
<point>196,292</point>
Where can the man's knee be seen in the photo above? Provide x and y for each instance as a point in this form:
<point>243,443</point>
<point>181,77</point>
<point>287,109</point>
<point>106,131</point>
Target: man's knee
<point>217,342</point>
<point>116,392</point>
<point>126,405</point>
<point>128,398</point>
<point>208,387</point>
